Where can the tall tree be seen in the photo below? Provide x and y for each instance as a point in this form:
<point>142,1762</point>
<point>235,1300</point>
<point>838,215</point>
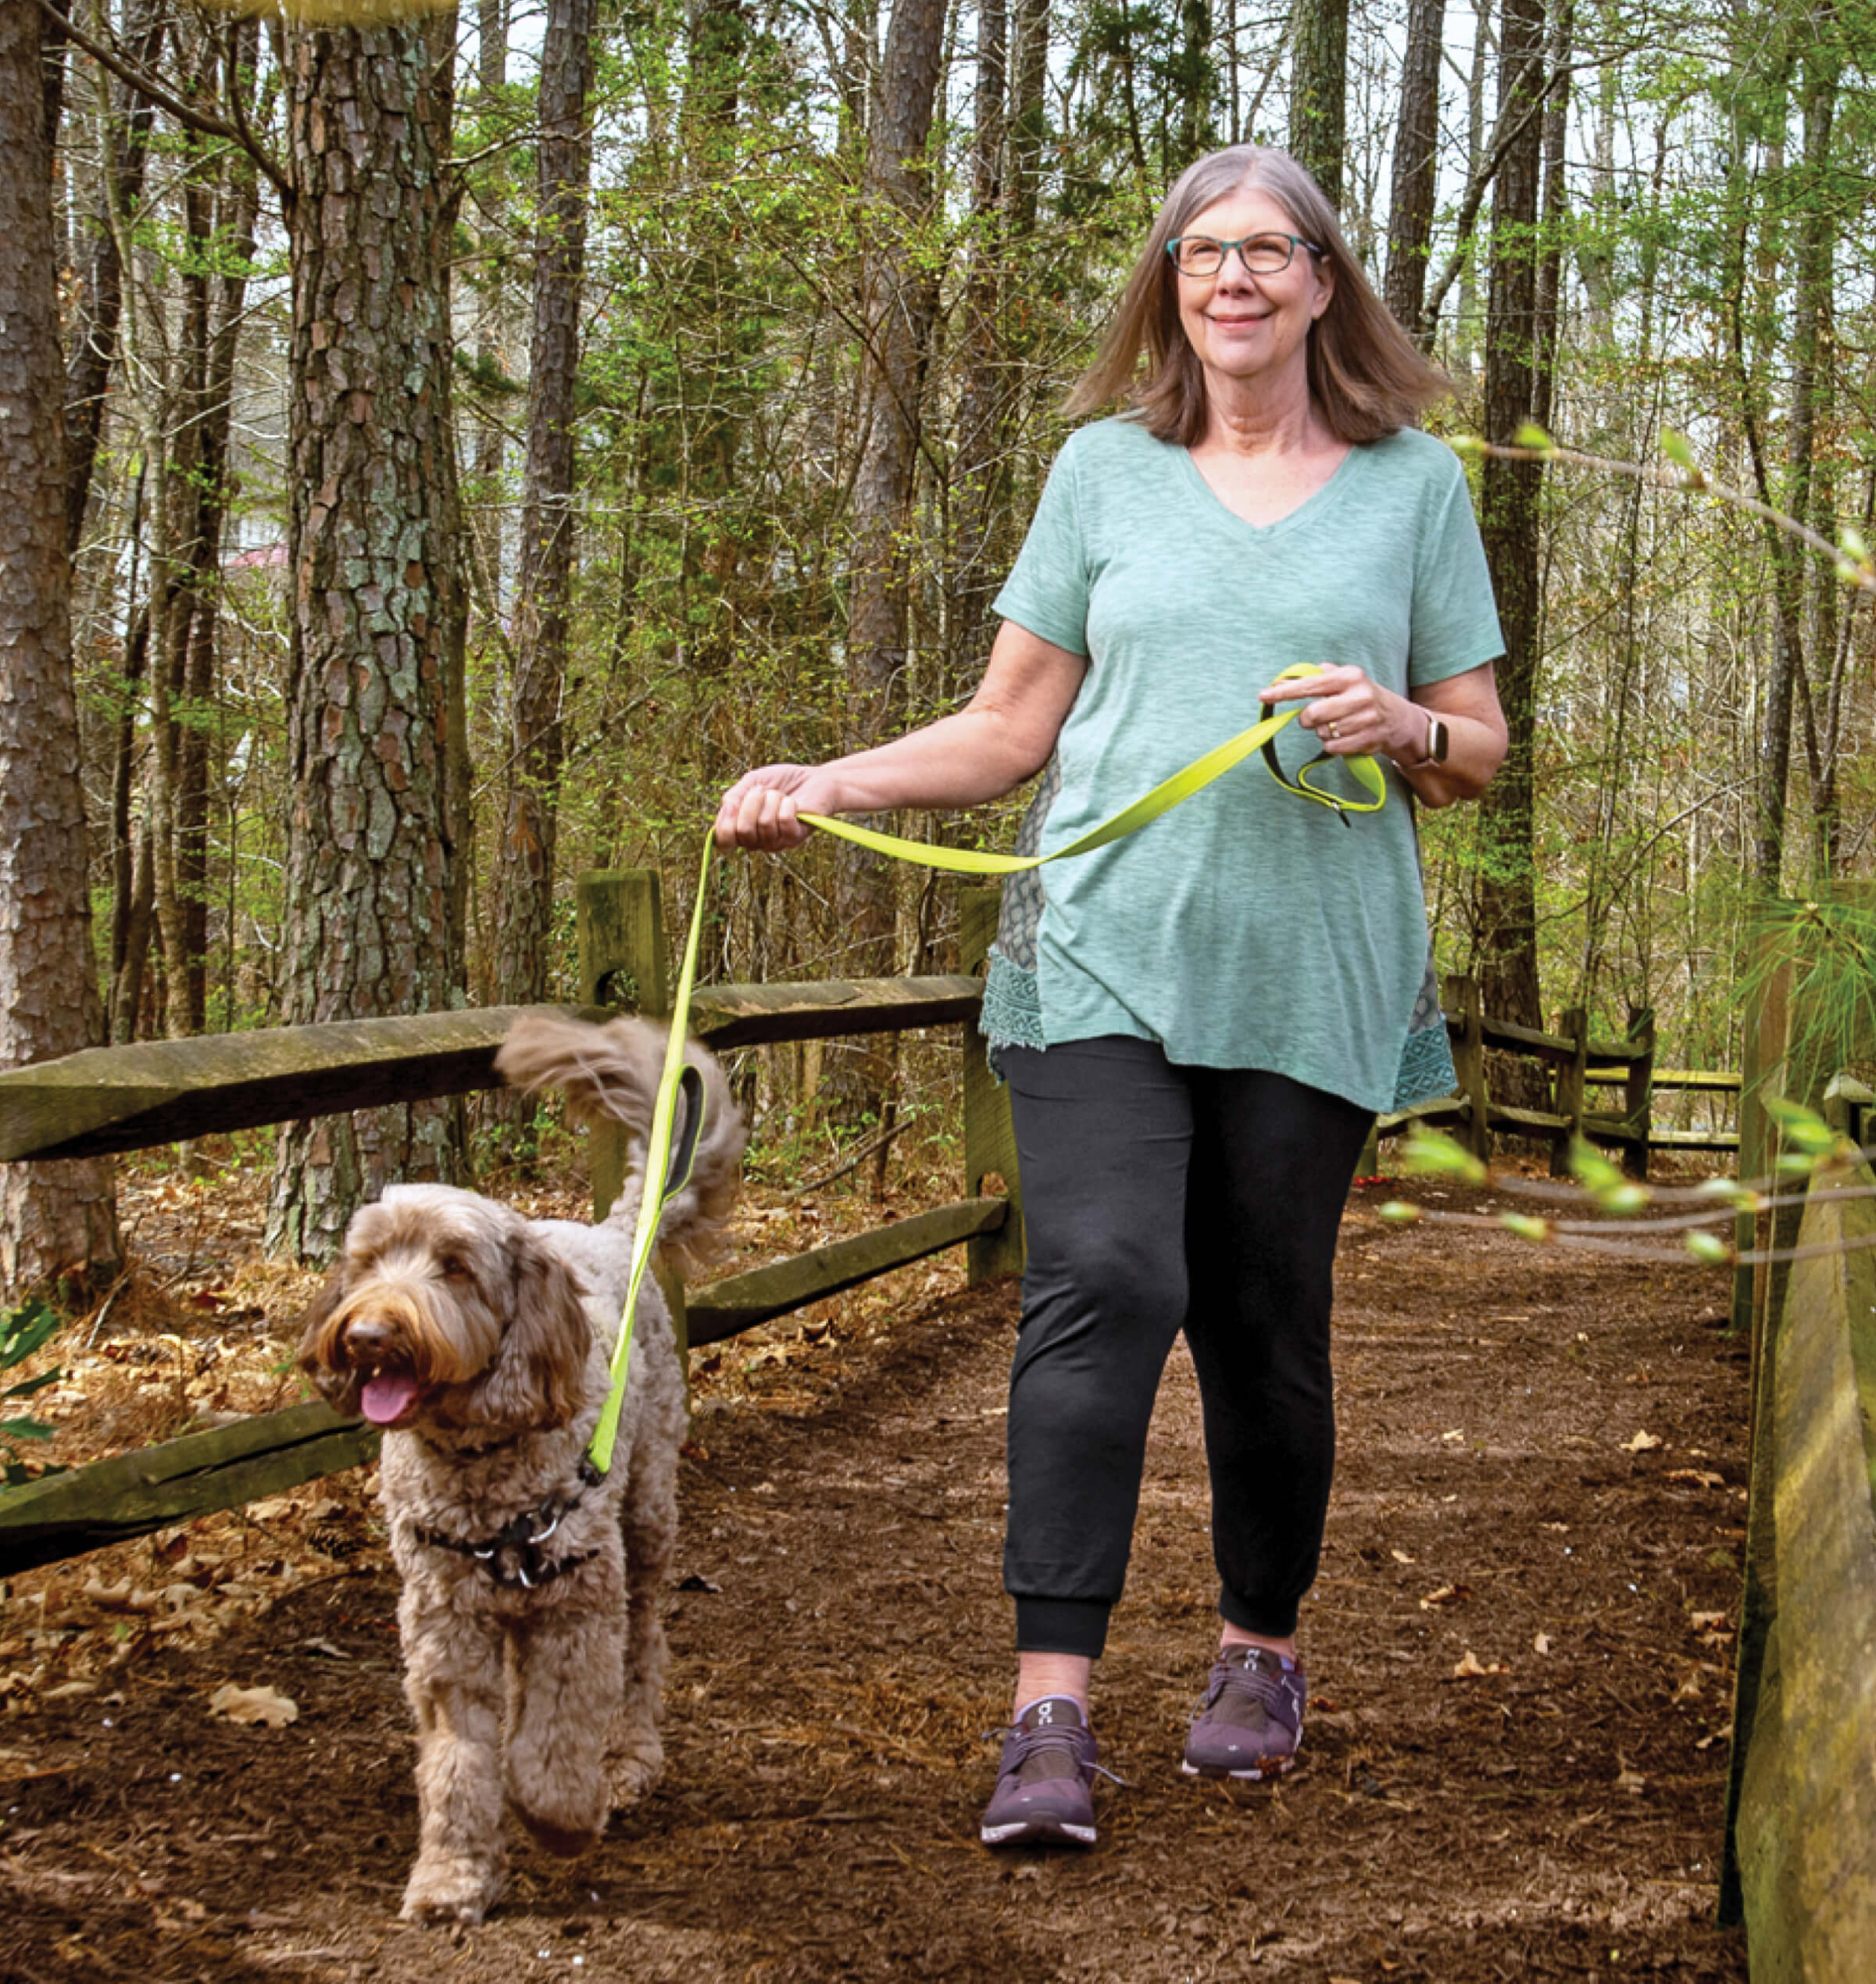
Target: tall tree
<point>900,304</point>
<point>220,204</point>
<point>1318,89</point>
<point>524,859</point>
<point>98,301</point>
<point>57,1222</point>
<point>1416,166</point>
<point>978,477</point>
<point>1507,887</point>
<point>371,470</point>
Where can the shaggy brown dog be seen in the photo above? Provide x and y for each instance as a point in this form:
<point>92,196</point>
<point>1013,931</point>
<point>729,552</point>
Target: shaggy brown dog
<point>481,1341</point>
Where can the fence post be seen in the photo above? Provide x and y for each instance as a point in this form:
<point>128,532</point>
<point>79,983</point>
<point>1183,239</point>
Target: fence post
<point>990,1143</point>
<point>1572,1081</point>
<point>1638,1091</point>
<point>620,915</point>
<point>1469,1062</point>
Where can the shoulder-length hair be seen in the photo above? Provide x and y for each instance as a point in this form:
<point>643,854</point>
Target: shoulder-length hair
<point>1366,374</point>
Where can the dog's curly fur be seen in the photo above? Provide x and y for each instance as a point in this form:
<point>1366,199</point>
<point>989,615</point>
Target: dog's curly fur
<point>482,1340</point>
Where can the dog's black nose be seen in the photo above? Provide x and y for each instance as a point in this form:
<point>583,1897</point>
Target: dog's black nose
<point>363,1336</point>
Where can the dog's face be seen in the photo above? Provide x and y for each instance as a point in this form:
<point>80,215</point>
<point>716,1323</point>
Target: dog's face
<point>446,1307</point>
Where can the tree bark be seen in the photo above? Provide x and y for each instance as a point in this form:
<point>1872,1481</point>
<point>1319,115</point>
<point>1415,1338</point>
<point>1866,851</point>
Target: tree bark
<point>978,480</point>
<point>900,304</point>
<point>372,490</point>
<point>1416,163</point>
<point>524,862</point>
<point>1553,208</point>
<point>1319,90</point>
<point>57,1221</point>
<point>1507,896</point>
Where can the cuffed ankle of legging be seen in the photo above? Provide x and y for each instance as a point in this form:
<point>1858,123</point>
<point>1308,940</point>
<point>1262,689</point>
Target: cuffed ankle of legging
<point>1267,1621</point>
<point>1063,1625</point>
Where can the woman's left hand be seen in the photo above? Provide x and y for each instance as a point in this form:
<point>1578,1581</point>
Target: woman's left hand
<point>1350,713</point>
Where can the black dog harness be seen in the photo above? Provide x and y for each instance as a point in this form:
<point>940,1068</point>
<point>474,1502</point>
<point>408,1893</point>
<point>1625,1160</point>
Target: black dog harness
<point>512,1556</point>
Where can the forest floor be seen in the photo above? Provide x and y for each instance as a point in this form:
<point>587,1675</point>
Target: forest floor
<point>1520,1653</point>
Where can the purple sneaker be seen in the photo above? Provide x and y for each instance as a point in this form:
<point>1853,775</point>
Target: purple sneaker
<point>1045,1793</point>
<point>1250,1723</point>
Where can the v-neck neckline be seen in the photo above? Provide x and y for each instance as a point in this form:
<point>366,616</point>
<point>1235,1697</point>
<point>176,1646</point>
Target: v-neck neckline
<point>1317,497</point>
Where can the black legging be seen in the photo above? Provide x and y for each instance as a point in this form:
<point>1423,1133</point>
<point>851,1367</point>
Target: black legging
<point>1155,1197</point>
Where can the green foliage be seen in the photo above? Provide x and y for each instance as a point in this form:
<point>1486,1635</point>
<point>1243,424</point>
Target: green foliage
<point>23,1331</point>
<point>1820,954</point>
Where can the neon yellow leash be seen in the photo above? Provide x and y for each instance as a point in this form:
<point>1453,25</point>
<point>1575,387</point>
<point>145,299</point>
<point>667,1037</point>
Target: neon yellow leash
<point>669,1159</point>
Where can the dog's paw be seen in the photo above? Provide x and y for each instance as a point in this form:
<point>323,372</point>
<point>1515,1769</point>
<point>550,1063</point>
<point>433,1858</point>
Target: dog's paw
<point>450,1891</point>
<point>634,1771</point>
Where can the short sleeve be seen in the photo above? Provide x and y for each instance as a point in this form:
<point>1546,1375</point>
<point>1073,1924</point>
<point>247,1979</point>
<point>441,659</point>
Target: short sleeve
<point>1455,616</point>
<point>1047,592</point>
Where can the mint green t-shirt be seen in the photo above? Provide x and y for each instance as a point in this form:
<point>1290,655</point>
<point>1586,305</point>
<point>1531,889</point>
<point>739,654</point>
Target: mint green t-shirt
<point>1247,928</point>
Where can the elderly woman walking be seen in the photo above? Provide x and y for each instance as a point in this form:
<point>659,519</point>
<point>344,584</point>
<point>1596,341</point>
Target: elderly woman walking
<point>1197,1024</point>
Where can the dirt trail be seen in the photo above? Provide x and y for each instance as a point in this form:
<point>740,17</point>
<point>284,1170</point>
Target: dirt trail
<point>839,1644</point>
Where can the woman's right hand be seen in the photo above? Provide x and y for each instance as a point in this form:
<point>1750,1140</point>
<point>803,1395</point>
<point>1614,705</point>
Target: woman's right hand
<point>761,809</point>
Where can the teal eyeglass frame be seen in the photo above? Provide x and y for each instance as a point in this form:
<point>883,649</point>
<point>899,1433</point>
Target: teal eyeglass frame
<point>1225,248</point>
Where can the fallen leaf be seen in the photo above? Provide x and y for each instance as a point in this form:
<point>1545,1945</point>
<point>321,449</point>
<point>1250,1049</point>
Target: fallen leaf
<point>1642,1443</point>
<point>1470,1665</point>
<point>1457,1433</point>
<point>1632,1781</point>
<point>1400,1556</point>
<point>1695,1477</point>
<point>1446,1595</point>
<point>1541,1644</point>
<point>264,1705</point>
<point>1708,1622</point>
<point>1715,1736</point>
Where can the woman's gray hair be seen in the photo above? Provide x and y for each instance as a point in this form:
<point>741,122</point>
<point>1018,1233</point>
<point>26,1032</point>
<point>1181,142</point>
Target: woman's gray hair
<point>1366,374</point>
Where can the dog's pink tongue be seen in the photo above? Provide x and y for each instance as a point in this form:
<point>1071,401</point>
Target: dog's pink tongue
<point>383,1399</point>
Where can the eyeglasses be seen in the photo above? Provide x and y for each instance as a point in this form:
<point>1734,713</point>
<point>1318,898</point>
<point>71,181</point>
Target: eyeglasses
<point>1262,255</point>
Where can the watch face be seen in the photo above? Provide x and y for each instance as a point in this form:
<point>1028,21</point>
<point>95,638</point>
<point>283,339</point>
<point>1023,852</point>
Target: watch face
<point>1436,742</point>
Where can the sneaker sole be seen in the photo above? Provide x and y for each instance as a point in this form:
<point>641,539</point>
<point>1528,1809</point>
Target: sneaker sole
<point>1273,1767</point>
<point>1033,1832</point>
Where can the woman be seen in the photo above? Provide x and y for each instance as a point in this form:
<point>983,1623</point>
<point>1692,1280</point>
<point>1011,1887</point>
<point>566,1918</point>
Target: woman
<point>1198,1024</point>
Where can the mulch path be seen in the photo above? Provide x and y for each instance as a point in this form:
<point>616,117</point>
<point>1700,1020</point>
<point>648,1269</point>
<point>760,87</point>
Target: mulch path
<point>1520,1654</point>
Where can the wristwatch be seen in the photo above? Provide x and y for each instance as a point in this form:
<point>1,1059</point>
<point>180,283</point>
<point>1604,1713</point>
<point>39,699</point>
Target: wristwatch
<point>1438,742</point>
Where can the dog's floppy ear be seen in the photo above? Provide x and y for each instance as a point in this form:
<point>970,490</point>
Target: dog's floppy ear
<point>539,1376</point>
<point>319,1345</point>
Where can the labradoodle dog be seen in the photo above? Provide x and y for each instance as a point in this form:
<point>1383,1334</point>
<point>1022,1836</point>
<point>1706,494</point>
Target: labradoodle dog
<point>480,1340</point>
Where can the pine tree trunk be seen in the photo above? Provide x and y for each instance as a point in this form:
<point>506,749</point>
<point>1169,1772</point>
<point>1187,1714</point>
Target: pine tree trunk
<point>1318,89</point>
<point>57,1222</point>
<point>373,489</point>
<point>1416,163</point>
<point>1507,898</point>
<point>524,858</point>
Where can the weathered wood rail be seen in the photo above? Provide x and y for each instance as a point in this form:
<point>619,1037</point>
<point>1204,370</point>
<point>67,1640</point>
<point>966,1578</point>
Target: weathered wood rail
<point>1577,1063</point>
<point>1802,1864</point>
<point>107,1100</point>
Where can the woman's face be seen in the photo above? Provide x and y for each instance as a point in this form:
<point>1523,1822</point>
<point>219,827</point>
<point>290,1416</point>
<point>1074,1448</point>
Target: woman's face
<point>1243,326</point>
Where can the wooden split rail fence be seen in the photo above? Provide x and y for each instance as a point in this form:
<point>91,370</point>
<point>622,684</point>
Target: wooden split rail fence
<point>106,1100</point>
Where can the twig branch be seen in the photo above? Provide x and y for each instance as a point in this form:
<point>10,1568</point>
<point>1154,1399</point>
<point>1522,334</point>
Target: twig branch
<point>1692,482</point>
<point>185,113</point>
